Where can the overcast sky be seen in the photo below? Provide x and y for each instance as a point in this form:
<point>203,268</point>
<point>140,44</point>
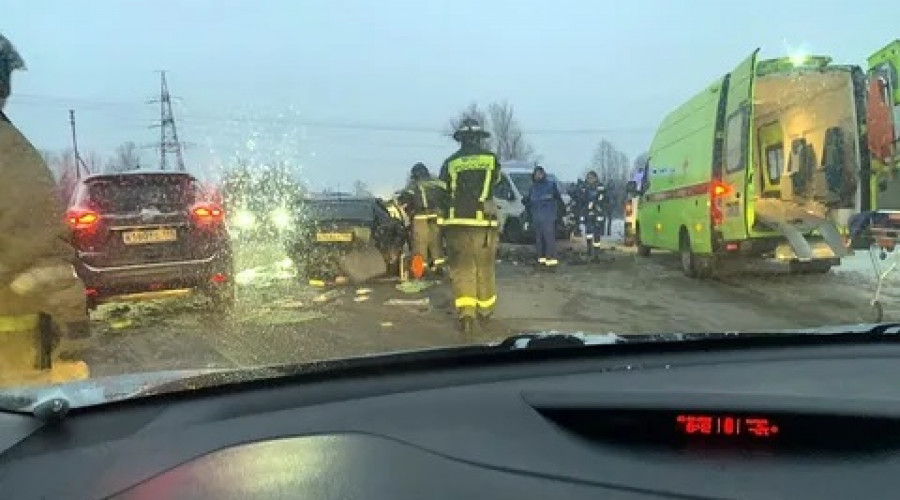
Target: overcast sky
<point>360,89</point>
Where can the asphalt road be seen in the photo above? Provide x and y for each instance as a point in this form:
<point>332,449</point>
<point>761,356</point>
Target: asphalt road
<point>280,320</point>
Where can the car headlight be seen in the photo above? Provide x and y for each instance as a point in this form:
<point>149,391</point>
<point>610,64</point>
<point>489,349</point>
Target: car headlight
<point>244,219</point>
<point>281,218</point>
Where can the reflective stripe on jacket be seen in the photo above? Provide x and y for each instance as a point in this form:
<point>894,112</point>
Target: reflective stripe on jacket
<point>470,175</point>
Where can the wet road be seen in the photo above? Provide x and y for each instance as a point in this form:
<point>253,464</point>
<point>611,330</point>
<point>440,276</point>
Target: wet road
<point>280,320</point>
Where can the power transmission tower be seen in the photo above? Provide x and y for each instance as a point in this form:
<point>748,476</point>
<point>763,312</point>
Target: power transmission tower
<point>168,133</point>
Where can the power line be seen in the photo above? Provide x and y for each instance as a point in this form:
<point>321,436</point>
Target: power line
<point>347,125</point>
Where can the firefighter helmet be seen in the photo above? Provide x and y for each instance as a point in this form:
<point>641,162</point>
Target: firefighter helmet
<point>470,127</point>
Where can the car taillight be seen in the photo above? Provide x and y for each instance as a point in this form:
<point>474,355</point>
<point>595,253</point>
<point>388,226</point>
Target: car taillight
<point>207,214</point>
<point>81,219</point>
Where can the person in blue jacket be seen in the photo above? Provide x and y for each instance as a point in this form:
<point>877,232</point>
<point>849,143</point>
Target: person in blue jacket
<point>543,202</point>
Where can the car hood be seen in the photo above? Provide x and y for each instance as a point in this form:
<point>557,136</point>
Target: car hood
<point>113,388</point>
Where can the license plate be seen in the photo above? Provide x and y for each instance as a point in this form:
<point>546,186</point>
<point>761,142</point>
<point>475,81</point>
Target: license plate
<point>149,236</point>
<point>334,237</point>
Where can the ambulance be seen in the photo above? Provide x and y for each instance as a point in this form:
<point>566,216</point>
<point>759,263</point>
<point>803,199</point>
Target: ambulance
<point>883,188</point>
<point>763,163</point>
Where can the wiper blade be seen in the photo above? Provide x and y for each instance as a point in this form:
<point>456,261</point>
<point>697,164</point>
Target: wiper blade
<point>553,340</point>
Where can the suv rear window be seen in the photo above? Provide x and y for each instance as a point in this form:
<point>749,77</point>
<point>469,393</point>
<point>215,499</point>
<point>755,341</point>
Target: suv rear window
<point>135,192</point>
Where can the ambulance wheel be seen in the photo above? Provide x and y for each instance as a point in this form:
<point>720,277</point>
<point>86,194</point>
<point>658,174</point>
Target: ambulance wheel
<point>693,265</point>
<point>642,250</point>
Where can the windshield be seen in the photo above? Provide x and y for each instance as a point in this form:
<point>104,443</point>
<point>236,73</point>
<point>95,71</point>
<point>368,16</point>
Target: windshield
<point>295,182</point>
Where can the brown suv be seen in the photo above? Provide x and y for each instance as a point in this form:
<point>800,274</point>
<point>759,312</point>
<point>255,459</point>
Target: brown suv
<point>140,231</point>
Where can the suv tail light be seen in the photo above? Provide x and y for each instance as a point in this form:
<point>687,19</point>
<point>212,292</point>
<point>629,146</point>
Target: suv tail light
<point>81,218</point>
<point>207,214</point>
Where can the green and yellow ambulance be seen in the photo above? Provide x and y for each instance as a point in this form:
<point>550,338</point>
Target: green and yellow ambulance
<point>763,163</point>
<point>883,188</point>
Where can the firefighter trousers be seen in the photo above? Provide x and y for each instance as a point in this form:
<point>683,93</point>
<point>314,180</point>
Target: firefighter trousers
<point>472,253</point>
<point>426,240</point>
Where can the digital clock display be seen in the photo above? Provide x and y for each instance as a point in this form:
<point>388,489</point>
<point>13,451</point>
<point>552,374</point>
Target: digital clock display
<point>704,424</point>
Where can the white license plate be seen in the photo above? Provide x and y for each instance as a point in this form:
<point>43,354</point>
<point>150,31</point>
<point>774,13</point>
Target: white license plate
<point>149,236</point>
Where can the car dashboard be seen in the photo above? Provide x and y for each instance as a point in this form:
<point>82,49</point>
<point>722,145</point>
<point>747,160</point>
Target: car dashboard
<point>805,421</point>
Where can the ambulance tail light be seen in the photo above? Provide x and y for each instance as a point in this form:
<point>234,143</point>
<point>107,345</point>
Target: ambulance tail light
<point>718,190</point>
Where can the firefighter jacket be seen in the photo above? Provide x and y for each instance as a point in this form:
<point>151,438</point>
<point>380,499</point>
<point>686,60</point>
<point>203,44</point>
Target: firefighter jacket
<point>426,198</point>
<point>470,175</point>
<point>36,260</point>
<point>590,199</point>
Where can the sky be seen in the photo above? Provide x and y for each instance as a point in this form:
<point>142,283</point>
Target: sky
<point>361,89</point>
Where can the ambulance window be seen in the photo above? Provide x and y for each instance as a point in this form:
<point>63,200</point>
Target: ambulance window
<point>736,141</point>
<point>775,162</point>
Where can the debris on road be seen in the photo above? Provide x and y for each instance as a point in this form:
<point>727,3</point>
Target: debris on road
<point>386,324</point>
<point>408,302</point>
<point>360,298</point>
<point>290,304</point>
<point>324,298</point>
<point>363,291</point>
<point>415,286</point>
<point>318,283</point>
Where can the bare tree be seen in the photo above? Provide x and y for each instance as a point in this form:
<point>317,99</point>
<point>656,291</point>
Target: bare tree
<point>127,157</point>
<point>93,161</point>
<point>68,176</point>
<point>472,111</point>
<point>641,160</point>
<point>612,168</point>
<point>507,137</point>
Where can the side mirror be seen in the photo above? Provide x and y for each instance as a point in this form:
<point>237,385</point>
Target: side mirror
<point>631,188</point>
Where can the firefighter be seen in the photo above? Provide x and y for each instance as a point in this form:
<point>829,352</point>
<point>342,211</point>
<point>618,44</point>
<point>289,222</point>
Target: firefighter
<point>544,204</point>
<point>41,297</point>
<point>426,200</point>
<point>470,227</point>
<point>592,208</point>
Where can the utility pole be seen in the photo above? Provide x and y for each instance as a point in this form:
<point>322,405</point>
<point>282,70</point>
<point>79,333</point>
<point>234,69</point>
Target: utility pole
<point>79,163</point>
<point>168,133</point>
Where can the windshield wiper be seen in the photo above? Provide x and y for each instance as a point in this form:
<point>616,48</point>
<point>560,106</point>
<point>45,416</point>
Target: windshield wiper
<point>554,340</point>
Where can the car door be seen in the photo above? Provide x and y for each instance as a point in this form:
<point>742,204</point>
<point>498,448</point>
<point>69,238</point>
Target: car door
<point>505,198</point>
<point>736,186</point>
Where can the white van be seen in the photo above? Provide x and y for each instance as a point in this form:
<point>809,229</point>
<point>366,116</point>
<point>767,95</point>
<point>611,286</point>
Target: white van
<point>514,184</point>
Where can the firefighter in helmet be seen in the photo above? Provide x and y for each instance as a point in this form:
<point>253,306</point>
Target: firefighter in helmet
<point>425,199</point>
<point>41,297</point>
<point>470,226</point>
